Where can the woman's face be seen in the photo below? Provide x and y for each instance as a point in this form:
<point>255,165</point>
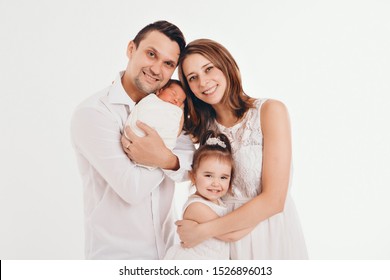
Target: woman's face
<point>206,81</point>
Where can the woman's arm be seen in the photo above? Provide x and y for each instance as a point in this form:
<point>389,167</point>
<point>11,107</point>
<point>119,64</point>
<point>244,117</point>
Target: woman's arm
<point>201,213</point>
<point>235,235</point>
<point>275,178</point>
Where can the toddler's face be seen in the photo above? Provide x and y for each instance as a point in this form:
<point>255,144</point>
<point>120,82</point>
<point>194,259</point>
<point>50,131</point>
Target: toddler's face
<point>173,94</point>
<point>212,178</point>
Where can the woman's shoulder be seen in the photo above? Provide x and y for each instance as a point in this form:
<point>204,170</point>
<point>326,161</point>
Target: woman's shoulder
<point>267,102</point>
<point>273,106</point>
<point>265,106</point>
<point>274,114</point>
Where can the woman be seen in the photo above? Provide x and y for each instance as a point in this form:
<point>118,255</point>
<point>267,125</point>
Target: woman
<point>259,132</point>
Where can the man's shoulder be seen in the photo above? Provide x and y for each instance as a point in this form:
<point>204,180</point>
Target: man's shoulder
<point>93,106</point>
<point>95,99</point>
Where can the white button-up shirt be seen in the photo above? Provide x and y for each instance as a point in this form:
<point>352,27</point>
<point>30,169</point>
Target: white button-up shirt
<point>127,207</point>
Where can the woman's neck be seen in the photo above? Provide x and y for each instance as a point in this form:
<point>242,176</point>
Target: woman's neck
<point>225,116</point>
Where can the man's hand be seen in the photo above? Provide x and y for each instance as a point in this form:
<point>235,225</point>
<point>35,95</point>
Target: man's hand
<point>149,150</point>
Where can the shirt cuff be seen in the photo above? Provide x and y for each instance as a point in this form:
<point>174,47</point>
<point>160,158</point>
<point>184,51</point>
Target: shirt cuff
<point>181,175</point>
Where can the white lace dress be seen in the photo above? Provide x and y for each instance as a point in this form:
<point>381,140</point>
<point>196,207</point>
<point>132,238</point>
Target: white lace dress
<point>210,249</point>
<point>280,236</point>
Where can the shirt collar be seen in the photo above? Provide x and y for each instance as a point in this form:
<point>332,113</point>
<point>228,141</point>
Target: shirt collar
<point>118,95</point>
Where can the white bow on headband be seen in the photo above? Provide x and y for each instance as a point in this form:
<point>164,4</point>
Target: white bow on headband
<point>215,141</point>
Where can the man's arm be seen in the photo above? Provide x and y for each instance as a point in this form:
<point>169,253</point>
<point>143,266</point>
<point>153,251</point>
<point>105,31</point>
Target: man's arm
<point>181,125</point>
<point>184,150</point>
<point>150,150</point>
<point>96,136</point>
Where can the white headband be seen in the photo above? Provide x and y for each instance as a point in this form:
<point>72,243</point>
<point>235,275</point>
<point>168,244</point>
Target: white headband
<point>215,141</point>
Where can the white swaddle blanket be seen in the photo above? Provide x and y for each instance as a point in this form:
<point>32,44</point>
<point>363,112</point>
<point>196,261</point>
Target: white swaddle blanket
<point>163,116</point>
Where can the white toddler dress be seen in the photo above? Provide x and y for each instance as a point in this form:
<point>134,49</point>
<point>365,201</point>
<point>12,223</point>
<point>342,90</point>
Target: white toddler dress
<point>210,249</point>
<point>280,236</point>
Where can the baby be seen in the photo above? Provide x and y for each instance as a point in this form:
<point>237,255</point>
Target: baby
<point>162,111</point>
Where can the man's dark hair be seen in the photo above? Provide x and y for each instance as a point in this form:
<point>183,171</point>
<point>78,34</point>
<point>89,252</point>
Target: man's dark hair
<point>168,29</point>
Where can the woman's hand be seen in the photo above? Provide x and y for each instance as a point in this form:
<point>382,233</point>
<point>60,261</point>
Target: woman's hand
<point>191,233</point>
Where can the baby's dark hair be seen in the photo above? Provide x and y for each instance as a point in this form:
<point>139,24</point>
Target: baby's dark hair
<point>170,82</point>
<point>214,144</point>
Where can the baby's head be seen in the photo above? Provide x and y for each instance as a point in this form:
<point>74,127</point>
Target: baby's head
<point>172,92</point>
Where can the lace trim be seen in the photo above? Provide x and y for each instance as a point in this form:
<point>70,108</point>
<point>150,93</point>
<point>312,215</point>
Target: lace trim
<point>246,140</point>
<point>247,132</point>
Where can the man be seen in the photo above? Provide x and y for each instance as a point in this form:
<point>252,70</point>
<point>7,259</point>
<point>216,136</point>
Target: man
<point>128,207</point>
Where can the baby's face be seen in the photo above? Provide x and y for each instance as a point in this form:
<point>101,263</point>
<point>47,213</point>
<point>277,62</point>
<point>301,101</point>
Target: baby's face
<point>173,94</point>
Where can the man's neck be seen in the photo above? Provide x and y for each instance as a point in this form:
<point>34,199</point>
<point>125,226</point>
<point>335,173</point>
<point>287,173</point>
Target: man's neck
<point>131,90</point>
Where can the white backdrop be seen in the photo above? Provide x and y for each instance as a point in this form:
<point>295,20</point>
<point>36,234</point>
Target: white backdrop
<point>328,61</point>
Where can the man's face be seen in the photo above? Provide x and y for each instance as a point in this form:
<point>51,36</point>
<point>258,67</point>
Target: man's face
<point>173,94</point>
<point>151,64</point>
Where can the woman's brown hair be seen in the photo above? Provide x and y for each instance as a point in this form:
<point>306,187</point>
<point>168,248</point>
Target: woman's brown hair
<point>198,114</point>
